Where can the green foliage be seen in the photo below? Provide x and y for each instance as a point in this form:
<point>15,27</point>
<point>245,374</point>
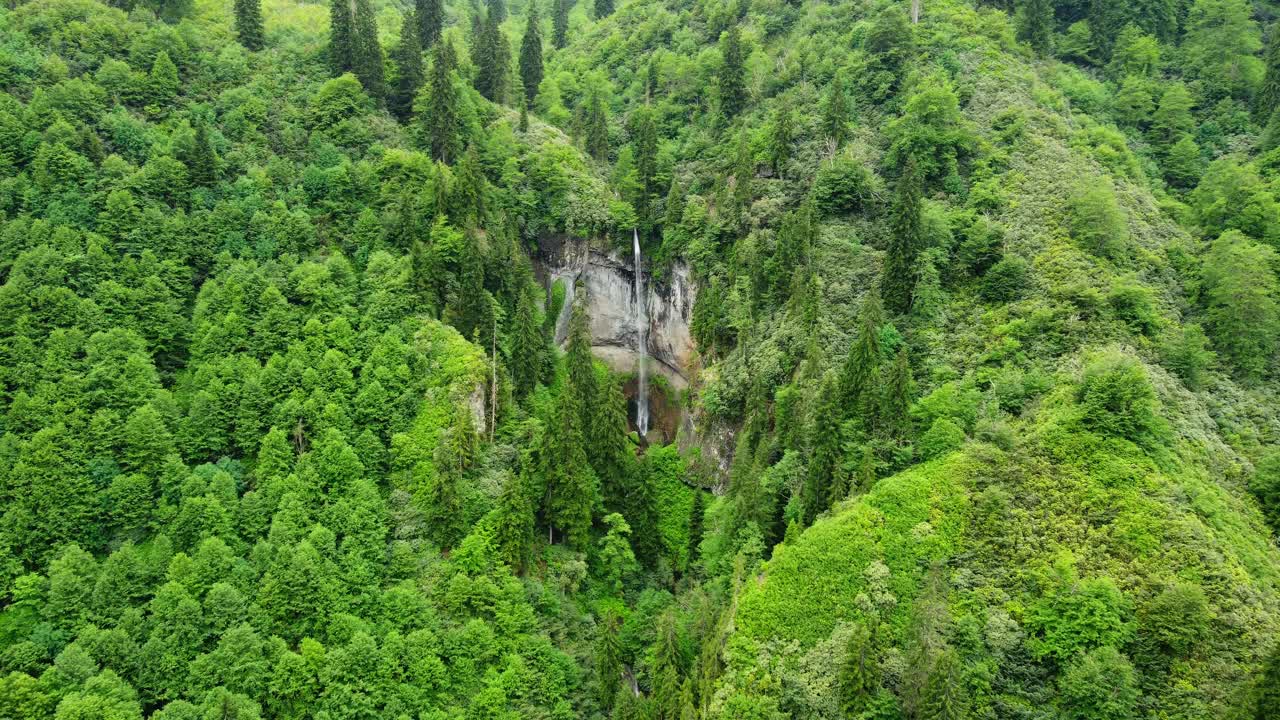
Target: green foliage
<point>1241,295</point>
<point>1074,615</point>
<point>1099,684</point>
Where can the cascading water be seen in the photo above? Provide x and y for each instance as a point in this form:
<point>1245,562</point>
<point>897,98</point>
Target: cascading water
<point>642,326</point>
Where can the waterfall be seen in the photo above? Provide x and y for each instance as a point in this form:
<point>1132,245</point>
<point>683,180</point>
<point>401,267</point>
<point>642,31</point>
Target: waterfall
<point>642,346</point>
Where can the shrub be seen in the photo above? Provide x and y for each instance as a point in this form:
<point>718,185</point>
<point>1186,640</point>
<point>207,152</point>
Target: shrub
<point>1265,485</point>
<point>1006,280</point>
<point>1099,685</point>
<point>1116,399</point>
<point>941,438</point>
<point>1097,222</point>
<point>843,184</point>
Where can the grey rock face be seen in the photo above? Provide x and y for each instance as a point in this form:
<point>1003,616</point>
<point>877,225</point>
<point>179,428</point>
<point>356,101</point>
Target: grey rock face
<point>607,279</point>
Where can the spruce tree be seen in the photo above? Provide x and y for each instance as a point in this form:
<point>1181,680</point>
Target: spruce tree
<point>163,82</point>
<point>733,84</point>
<point>367,51</point>
<point>835,114</point>
<point>1036,25</point>
<point>498,9</point>
<point>202,164</point>
<point>604,8</point>
<point>409,71</point>
<point>528,345</point>
<point>439,115</point>
<point>608,659</point>
<point>531,54</point>
<point>492,57</point>
<point>429,15</point>
<point>644,132</point>
<point>825,450</point>
<point>898,286</point>
<point>780,137</point>
<point>863,359</point>
<point>342,43</point>
<point>696,513</point>
<point>896,402</point>
<point>248,14</point>
<point>943,697</point>
<point>1268,705</point>
<point>1268,96</point>
<point>524,115</point>
<point>514,528</point>
<point>857,674</point>
<point>560,23</point>
<point>597,130</point>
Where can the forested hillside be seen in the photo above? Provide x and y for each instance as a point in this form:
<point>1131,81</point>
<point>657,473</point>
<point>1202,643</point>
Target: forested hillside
<point>981,417</point>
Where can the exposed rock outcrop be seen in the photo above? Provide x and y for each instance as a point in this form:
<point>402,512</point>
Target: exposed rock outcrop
<point>607,279</point>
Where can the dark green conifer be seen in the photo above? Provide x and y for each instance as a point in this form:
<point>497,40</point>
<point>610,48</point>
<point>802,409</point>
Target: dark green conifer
<point>899,282</point>
<point>780,137</point>
<point>528,345</point>
<point>857,674</point>
<point>835,114</point>
<point>531,54</point>
<point>604,8</point>
<point>429,15</point>
<point>492,57</point>
<point>1036,25</point>
<point>896,403</point>
<point>367,51</point>
<point>644,133</point>
<point>342,42</point>
<point>733,84</point>
<point>560,23</point>
<point>409,71</point>
<point>202,164</point>
<point>439,112</point>
<point>248,14</point>
<point>608,659</point>
<point>943,697</point>
<point>1268,97</point>
<point>860,365</point>
<point>597,130</point>
<point>696,513</point>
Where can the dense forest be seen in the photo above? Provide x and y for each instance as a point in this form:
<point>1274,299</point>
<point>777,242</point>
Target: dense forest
<point>982,414</point>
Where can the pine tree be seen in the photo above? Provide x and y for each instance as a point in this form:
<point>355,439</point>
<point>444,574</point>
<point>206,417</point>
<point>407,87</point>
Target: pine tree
<point>524,115</point>
<point>899,281</point>
<point>835,115</point>
<point>528,346</point>
<point>1183,164</point>
<point>498,9</point>
<point>824,443</point>
<point>492,57</point>
<point>696,513</point>
<point>571,483</point>
<point>367,51</point>
<point>409,71</point>
<point>733,84</point>
<point>1268,97</point>
<point>248,15</point>
<point>560,23</point>
<point>744,172</point>
<point>780,137</point>
<point>202,164</point>
<point>943,697</point>
<point>644,132</point>
<point>578,359</point>
<point>857,674</point>
<point>430,18</point>
<point>856,377</point>
<point>608,659</point>
<point>604,8</point>
<point>597,131</point>
<point>162,83</point>
<point>531,55</point>
<point>1269,696</point>
<point>514,528</point>
<point>342,42</point>
<point>439,114</point>
<point>897,401</point>
<point>1036,26</point>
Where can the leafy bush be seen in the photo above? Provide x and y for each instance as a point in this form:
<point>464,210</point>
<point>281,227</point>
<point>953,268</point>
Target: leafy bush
<point>1006,280</point>
<point>843,184</point>
<point>1116,398</point>
<point>942,437</point>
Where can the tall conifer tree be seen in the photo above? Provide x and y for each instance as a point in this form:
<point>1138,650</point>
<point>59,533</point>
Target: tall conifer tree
<point>409,71</point>
<point>367,58</point>
<point>439,116</point>
<point>904,241</point>
<point>531,54</point>
<point>248,15</point>
<point>733,84</point>
<point>342,44</point>
<point>430,18</point>
<point>560,23</point>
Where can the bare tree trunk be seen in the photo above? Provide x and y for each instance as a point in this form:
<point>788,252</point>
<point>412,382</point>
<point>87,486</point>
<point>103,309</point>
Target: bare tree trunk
<point>915,12</point>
